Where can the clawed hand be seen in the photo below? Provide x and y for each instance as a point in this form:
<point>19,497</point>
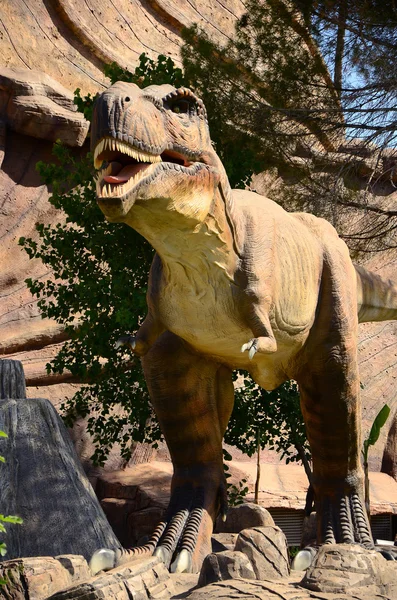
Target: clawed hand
<point>126,340</point>
<point>251,346</point>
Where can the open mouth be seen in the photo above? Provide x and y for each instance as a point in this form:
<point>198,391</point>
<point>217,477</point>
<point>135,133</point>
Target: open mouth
<point>125,166</point>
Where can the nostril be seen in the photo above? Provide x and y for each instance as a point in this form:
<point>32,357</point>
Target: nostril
<point>127,98</point>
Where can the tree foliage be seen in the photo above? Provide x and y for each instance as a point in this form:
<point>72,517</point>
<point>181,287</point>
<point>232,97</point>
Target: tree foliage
<point>270,419</point>
<point>280,109</point>
<point>371,440</point>
<point>258,89</point>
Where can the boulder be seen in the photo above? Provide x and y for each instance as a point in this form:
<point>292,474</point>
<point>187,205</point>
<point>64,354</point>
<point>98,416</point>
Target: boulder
<point>43,482</point>
<point>242,517</point>
<point>139,580</point>
<point>39,577</point>
<point>340,568</point>
<point>266,548</point>
<point>34,104</point>
<point>225,565</point>
<point>223,541</point>
<point>135,499</point>
<point>142,523</point>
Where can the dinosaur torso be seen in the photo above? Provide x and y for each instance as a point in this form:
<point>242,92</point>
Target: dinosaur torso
<point>206,287</point>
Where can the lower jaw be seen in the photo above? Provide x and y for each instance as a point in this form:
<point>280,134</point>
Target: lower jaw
<point>115,209</point>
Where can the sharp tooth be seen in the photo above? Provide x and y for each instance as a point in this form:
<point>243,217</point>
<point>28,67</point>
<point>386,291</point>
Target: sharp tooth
<point>112,144</point>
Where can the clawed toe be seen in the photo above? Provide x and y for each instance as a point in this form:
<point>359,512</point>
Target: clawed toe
<point>182,563</point>
<point>163,554</point>
<point>103,560</point>
<point>251,346</point>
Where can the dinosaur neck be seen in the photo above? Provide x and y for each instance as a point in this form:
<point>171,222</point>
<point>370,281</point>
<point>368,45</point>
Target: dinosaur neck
<point>197,247</point>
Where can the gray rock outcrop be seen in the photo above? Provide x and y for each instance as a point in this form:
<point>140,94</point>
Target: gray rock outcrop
<point>43,482</point>
<point>341,568</point>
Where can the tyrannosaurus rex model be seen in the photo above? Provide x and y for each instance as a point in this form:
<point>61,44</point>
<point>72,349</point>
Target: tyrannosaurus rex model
<point>236,283</point>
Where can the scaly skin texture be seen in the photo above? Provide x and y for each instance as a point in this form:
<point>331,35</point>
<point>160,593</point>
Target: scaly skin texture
<point>236,283</point>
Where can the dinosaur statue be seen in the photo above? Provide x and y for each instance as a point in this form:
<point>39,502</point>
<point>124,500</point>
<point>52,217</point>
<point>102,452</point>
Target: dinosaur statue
<point>236,283</point>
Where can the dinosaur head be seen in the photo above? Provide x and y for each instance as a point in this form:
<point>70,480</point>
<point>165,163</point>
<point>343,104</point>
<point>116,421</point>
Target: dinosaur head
<point>152,147</point>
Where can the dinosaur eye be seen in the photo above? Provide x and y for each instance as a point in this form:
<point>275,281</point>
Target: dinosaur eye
<point>183,106</point>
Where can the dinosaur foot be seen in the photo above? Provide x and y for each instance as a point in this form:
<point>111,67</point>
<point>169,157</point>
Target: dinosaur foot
<point>263,345</point>
<point>342,519</point>
<point>106,559</point>
<point>183,539</point>
<point>195,503</point>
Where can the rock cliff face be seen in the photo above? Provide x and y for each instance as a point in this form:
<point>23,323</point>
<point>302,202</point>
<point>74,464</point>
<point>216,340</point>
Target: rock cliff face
<point>70,41</point>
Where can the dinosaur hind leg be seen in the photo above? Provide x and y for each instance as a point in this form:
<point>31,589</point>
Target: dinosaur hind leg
<point>193,398</point>
<point>330,401</point>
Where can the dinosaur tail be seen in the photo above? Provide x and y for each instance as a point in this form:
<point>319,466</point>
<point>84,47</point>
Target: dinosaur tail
<point>376,297</point>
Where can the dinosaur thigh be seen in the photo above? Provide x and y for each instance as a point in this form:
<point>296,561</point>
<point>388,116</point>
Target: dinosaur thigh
<point>193,399</point>
<point>327,373</point>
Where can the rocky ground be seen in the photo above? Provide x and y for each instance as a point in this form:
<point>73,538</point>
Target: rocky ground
<point>339,572</point>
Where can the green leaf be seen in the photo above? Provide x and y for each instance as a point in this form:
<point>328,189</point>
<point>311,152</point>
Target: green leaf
<point>377,425</point>
<point>3,434</point>
<point>11,519</point>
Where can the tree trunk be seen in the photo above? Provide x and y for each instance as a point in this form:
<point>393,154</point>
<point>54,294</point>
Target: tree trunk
<point>258,470</point>
<point>340,46</point>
